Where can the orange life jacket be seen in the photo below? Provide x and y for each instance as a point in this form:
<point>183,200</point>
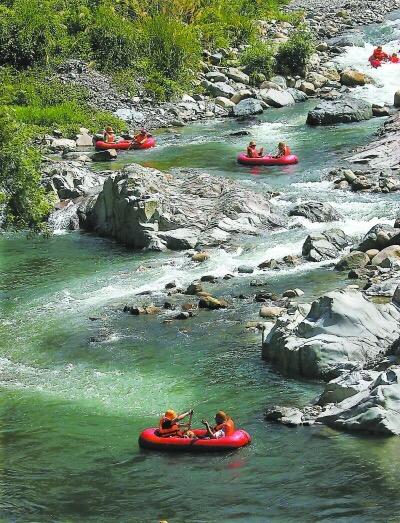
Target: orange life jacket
<point>166,428</point>
<point>287,151</point>
<point>252,152</point>
<point>380,55</point>
<point>228,427</point>
<point>140,138</point>
<point>109,137</point>
<point>395,59</point>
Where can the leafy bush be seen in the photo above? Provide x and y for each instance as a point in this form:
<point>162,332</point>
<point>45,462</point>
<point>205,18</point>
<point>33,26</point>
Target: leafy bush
<point>25,201</point>
<point>259,58</point>
<point>113,39</point>
<point>169,47</point>
<point>30,32</point>
<point>293,55</point>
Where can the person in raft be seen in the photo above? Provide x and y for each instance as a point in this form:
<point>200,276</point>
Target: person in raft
<point>395,58</point>
<point>108,135</point>
<point>169,426</point>
<point>252,151</point>
<point>224,426</point>
<point>283,150</point>
<point>379,54</point>
<point>141,137</point>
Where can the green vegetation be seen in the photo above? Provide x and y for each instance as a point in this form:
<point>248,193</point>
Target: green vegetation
<point>157,44</point>
<point>23,200</point>
<point>259,60</point>
<point>293,55</point>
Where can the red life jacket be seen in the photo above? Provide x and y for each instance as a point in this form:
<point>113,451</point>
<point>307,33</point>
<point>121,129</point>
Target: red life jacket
<point>167,428</point>
<point>252,152</point>
<point>380,55</point>
<point>395,59</point>
<point>228,427</point>
<point>287,151</point>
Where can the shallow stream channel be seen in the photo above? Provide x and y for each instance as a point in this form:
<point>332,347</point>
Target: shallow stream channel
<point>79,379</point>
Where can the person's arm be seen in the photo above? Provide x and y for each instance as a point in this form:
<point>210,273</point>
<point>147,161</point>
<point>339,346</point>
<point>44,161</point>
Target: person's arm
<point>182,416</point>
<point>261,152</point>
<point>210,433</point>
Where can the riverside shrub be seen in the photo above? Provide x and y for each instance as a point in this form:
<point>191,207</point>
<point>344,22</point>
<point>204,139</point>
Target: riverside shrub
<point>293,55</point>
<point>24,201</point>
<point>258,59</point>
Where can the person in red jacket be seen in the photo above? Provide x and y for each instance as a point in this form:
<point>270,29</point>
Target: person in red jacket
<point>395,58</point>
<point>252,151</point>
<point>283,150</point>
<point>224,426</point>
<point>169,426</point>
<point>141,137</point>
<point>379,54</point>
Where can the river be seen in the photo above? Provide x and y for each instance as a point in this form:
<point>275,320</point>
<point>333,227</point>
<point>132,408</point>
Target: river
<point>79,379</point>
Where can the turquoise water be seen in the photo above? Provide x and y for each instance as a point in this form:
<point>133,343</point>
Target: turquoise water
<point>79,379</point>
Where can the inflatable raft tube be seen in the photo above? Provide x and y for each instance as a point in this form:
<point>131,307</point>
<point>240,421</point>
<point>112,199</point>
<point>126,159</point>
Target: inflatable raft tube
<point>267,160</point>
<point>148,144</point>
<point>149,439</point>
<point>122,145</point>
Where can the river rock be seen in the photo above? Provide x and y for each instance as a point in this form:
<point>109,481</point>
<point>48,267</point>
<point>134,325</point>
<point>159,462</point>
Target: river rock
<point>289,416</point>
<point>209,302</point>
<point>353,260</point>
<point>71,179</point>
<point>271,312</point>
<point>393,251</point>
<point>353,78</point>
<point>317,79</point>
<point>324,246</point>
<point>224,102</point>
<point>308,88</point>
<point>346,385</point>
<point>84,139</point>
<point>221,89</point>
<point>245,269</point>
<point>63,144</point>
<point>144,208</point>
<point>316,212</point>
<point>237,76</point>
<point>104,156</point>
<point>242,94</point>
<point>378,237</point>
<point>216,76</point>
<point>200,256</point>
<point>279,80</point>
<point>397,99</point>
<point>298,96</point>
<point>351,40</point>
<point>384,289</point>
<point>276,98</point>
<point>342,331</point>
<point>375,410</point>
<point>344,110</point>
<point>270,85</point>
<point>248,107</point>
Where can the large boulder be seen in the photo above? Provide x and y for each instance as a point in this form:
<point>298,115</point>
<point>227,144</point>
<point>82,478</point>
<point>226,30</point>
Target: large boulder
<point>276,98</point>
<point>242,95</point>
<point>378,237</point>
<point>221,89</point>
<point>346,385</point>
<point>343,110</point>
<point>397,99</point>
<point>393,251</point>
<point>63,144</point>
<point>353,260</point>
<point>237,75</point>
<point>342,331</point>
<point>316,212</point>
<point>317,79</point>
<point>353,78</point>
<point>144,208</point>
<point>247,107</point>
<point>71,180</point>
<point>325,246</point>
<point>374,410</point>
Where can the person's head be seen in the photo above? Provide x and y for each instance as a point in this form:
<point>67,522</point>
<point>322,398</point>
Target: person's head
<point>221,417</point>
<point>252,144</point>
<point>394,55</point>
<point>143,131</point>
<point>170,414</point>
<point>109,129</point>
<point>379,48</point>
<point>281,146</point>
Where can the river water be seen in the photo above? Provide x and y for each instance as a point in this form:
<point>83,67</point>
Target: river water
<point>79,379</point>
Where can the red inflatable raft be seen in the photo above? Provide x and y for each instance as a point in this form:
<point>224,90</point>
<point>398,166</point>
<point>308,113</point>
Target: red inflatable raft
<point>122,145</point>
<point>148,144</point>
<point>267,160</point>
<point>150,440</point>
